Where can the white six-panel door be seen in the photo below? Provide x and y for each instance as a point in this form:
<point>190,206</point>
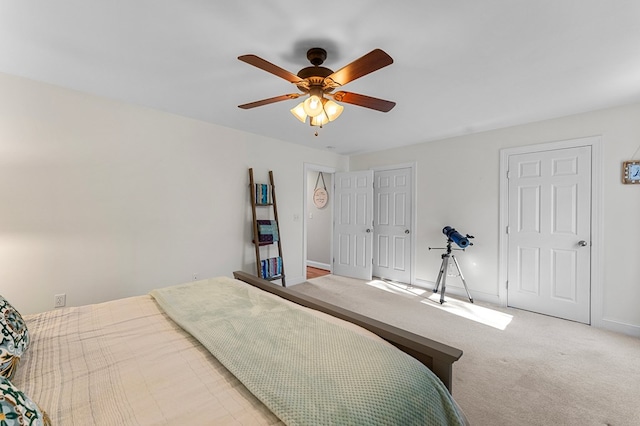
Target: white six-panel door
<point>353,227</point>
<point>549,232</point>
<point>392,224</point>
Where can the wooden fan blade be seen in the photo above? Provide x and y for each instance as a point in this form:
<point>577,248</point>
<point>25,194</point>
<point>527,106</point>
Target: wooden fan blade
<point>270,100</point>
<point>367,64</point>
<point>364,101</point>
<point>269,67</point>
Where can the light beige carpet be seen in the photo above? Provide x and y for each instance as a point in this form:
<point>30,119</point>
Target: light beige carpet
<point>518,368</point>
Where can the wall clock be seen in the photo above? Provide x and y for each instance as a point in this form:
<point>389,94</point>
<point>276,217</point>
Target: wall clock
<point>631,172</point>
<point>320,195</point>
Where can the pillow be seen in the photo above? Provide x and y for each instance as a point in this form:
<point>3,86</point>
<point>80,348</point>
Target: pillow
<point>18,409</point>
<point>15,338</point>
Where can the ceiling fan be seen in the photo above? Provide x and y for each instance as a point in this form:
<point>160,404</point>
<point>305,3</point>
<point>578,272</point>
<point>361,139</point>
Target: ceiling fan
<point>319,83</point>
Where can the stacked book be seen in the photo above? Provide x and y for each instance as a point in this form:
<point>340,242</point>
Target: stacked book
<point>263,195</point>
<point>271,267</point>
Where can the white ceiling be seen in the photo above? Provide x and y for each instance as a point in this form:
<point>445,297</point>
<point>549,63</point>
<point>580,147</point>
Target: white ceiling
<point>459,66</point>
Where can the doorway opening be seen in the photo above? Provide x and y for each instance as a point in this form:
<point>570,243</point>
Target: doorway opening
<point>318,220</point>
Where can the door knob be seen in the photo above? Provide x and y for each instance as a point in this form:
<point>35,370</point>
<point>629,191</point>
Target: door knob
<point>582,243</point>
<point>368,231</point>
<point>406,231</point>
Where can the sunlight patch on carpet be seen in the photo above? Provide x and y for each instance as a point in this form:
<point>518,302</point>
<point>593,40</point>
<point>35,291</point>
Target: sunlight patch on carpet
<point>470,311</point>
<point>486,316</point>
<point>397,288</point>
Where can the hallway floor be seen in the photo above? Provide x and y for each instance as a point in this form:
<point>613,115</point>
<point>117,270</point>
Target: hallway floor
<point>316,272</point>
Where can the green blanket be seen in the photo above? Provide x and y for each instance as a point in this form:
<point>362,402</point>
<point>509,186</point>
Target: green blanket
<point>308,371</point>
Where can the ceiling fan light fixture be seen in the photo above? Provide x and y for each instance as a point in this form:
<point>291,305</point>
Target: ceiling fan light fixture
<point>329,112</point>
<point>319,120</point>
<point>298,112</point>
<point>313,105</point>
<point>332,109</point>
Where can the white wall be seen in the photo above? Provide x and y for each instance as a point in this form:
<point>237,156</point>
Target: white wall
<point>457,184</point>
<point>102,200</point>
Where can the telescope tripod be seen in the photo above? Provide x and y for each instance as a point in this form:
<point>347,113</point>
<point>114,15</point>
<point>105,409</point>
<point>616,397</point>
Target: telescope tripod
<point>442,275</point>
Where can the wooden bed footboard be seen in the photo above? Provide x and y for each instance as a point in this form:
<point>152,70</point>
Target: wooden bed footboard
<point>437,356</point>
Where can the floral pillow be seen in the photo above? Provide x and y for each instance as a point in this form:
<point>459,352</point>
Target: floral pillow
<point>18,409</point>
<point>14,338</point>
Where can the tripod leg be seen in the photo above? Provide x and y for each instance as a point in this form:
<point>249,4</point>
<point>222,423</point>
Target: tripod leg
<point>435,290</point>
<point>445,265</point>
<point>462,278</point>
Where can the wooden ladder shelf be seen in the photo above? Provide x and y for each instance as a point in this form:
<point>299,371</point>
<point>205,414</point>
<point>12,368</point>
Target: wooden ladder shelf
<point>266,232</point>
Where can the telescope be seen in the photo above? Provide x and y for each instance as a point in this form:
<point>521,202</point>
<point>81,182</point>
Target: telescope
<point>453,235</point>
<point>463,242</point>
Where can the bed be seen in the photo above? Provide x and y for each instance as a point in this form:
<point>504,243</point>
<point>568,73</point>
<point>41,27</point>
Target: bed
<point>231,351</point>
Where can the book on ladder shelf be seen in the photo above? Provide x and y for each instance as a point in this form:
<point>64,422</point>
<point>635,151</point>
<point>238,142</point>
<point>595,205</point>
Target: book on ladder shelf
<point>266,231</point>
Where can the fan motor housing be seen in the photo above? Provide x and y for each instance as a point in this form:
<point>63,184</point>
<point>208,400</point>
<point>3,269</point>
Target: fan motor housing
<point>308,72</point>
<point>317,56</point>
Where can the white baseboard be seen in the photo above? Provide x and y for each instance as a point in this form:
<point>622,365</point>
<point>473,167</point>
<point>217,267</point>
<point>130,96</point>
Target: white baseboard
<point>291,281</point>
<point>319,265</point>
<point>618,326</point>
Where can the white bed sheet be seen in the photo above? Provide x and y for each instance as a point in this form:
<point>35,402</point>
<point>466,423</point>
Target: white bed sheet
<point>126,363</point>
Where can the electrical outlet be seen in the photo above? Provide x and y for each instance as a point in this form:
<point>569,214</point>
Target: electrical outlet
<point>59,300</point>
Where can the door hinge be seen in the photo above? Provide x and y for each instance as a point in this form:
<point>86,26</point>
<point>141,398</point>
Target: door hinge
<point>507,285</point>
<point>508,229</point>
<point>508,174</point>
